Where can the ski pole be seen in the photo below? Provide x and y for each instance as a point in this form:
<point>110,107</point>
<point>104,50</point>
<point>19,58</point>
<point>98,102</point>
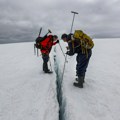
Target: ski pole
<point>34,50</point>
<point>37,52</point>
<point>61,50</point>
<point>64,66</point>
<point>50,64</point>
<point>73,20</point>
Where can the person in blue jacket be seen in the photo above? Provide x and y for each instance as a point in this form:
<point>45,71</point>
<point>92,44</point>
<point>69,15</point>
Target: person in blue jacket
<point>82,59</point>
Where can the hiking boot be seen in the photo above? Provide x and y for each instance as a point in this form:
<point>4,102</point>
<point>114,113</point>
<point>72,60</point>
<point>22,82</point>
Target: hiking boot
<point>45,66</point>
<point>78,85</point>
<point>48,71</point>
<point>80,82</point>
<point>77,80</point>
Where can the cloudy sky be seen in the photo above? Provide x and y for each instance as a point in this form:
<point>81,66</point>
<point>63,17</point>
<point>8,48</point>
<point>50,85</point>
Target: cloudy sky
<point>20,20</point>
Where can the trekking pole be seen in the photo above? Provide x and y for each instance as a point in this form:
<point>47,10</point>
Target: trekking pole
<point>61,50</point>
<point>50,64</point>
<point>64,66</point>
<point>34,50</point>
<point>73,20</point>
<point>37,52</point>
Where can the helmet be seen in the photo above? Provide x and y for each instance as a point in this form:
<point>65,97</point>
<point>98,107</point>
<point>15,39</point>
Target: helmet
<point>64,36</point>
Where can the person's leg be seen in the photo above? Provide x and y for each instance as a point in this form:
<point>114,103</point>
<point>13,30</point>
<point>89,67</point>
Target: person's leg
<point>45,66</point>
<point>82,64</point>
<point>45,61</point>
<point>80,82</point>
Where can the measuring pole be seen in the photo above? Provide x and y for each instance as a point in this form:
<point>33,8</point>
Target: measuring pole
<point>73,20</point>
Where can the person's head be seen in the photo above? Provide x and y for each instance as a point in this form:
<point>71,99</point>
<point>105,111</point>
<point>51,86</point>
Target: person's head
<point>55,37</point>
<point>64,37</point>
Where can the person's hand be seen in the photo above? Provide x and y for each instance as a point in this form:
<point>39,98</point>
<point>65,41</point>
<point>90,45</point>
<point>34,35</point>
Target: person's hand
<point>67,48</point>
<point>67,53</point>
<point>57,41</point>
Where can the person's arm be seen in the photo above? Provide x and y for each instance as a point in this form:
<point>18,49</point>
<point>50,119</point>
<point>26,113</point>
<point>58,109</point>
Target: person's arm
<point>70,45</point>
<point>71,50</point>
<point>54,43</point>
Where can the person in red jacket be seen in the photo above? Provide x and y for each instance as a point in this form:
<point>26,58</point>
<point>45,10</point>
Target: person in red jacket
<point>46,46</point>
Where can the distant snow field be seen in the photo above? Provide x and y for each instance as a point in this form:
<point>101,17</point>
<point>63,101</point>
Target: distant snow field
<point>26,93</point>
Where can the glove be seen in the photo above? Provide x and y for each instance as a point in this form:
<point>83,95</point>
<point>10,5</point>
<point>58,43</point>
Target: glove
<point>57,41</point>
<point>67,48</point>
<point>67,53</point>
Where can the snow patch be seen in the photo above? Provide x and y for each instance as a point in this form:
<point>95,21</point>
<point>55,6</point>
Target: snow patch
<point>26,93</point>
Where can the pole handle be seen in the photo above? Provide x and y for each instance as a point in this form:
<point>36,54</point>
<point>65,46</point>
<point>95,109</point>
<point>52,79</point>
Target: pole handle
<point>49,31</point>
<point>73,20</point>
<point>74,12</point>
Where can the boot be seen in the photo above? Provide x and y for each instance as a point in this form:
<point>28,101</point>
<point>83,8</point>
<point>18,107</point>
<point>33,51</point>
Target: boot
<point>83,79</point>
<point>45,67</point>
<point>48,71</point>
<point>80,82</point>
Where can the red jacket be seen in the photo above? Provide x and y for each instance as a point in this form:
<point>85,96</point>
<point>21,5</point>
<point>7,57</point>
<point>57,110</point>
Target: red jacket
<point>47,45</point>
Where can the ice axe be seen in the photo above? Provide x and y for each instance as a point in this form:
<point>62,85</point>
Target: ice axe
<point>49,31</point>
<point>73,20</point>
<point>40,32</point>
<point>45,36</point>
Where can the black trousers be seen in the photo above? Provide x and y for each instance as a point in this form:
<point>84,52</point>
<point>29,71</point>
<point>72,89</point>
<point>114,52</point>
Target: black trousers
<point>82,63</point>
<point>45,58</point>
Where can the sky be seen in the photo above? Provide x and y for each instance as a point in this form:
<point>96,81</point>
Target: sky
<point>20,20</point>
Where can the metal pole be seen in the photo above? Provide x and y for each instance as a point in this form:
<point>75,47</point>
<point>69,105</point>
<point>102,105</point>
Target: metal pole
<point>70,32</point>
<point>50,64</point>
<point>37,52</point>
<point>73,20</point>
<point>34,50</point>
<point>61,50</point>
<point>64,66</point>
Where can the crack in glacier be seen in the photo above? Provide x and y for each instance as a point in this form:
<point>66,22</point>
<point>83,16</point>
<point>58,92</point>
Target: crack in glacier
<point>59,88</point>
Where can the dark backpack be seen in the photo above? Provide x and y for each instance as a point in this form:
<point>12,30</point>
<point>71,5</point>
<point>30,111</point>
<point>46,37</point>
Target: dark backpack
<point>37,42</point>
